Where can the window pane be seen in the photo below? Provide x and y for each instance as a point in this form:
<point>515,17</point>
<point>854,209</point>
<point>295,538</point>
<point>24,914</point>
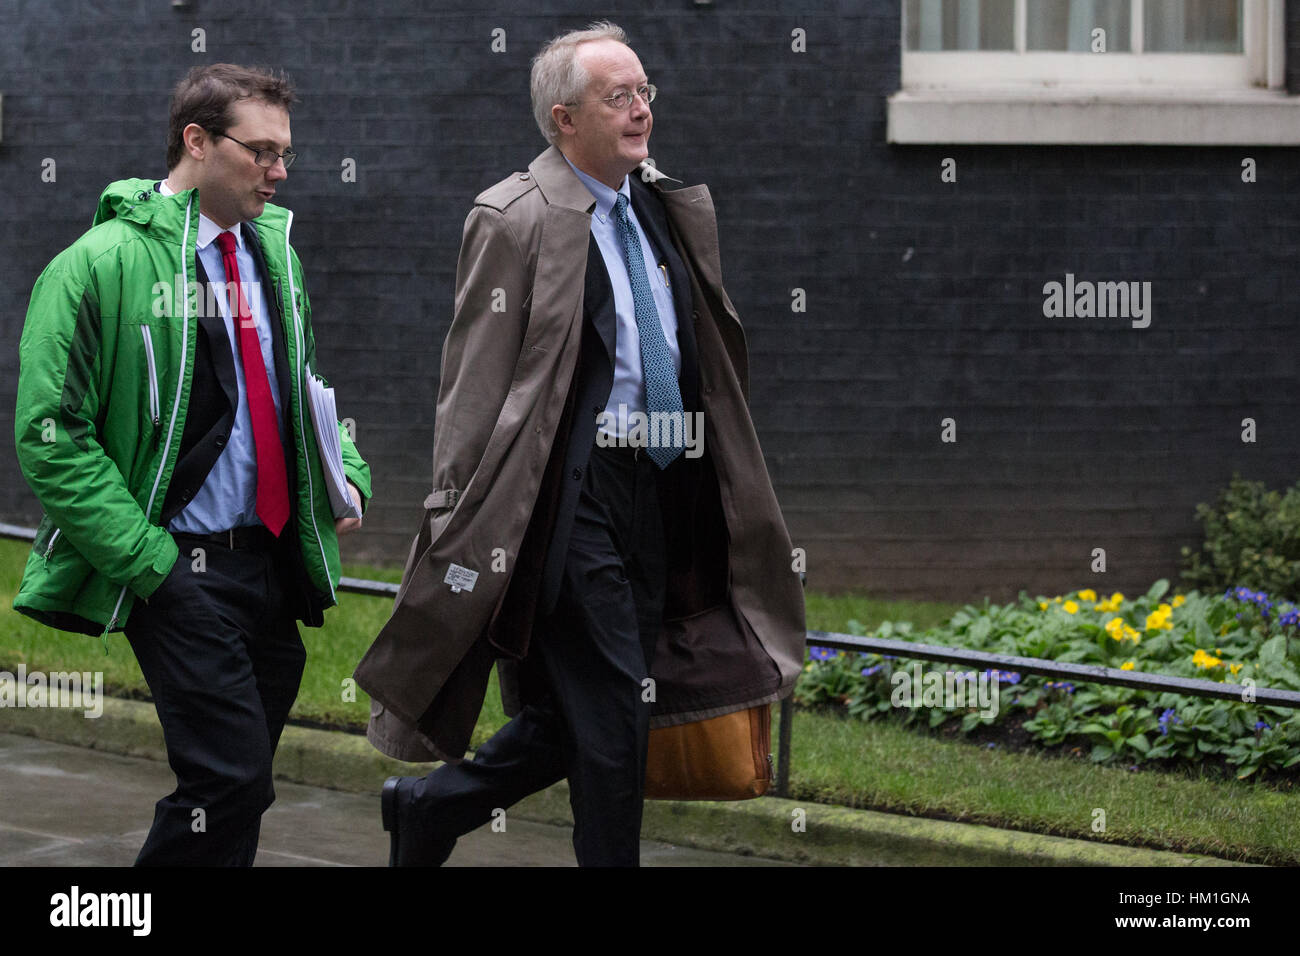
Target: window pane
<point>1068,24</point>
<point>1193,26</point>
<point>959,24</point>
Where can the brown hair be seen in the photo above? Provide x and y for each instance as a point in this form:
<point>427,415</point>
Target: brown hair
<point>205,94</point>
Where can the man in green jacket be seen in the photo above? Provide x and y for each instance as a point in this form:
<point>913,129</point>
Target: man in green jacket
<point>173,450</point>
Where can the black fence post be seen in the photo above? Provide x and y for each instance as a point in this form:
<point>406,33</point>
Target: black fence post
<point>787,722</point>
<point>783,748</point>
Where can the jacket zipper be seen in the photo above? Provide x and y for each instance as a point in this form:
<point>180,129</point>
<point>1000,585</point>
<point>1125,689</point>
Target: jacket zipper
<point>49,548</point>
<point>302,391</point>
<point>153,385</point>
<point>176,403</point>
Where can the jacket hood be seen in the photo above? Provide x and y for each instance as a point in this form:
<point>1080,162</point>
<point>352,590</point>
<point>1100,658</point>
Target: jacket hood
<point>136,200</point>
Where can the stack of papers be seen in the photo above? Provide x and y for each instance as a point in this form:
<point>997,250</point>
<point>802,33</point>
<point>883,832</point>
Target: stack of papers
<point>324,418</point>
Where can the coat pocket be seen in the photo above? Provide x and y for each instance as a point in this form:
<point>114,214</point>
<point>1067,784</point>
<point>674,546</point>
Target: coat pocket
<point>47,536</point>
<point>155,414</point>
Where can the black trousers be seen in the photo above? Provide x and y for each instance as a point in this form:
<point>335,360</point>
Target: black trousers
<point>596,651</point>
<point>221,653</point>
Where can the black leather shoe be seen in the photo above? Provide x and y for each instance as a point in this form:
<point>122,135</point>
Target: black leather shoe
<point>388,801</point>
<point>410,843</point>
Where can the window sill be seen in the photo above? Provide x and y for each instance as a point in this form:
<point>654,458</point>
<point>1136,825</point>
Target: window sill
<point>1117,117</point>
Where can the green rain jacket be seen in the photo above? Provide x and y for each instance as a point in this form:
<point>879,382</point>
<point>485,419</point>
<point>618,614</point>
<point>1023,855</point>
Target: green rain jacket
<point>106,364</point>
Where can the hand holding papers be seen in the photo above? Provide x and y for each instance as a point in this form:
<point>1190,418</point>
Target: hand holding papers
<point>324,418</point>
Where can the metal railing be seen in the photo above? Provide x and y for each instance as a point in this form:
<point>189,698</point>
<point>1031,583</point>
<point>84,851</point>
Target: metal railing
<point>1086,673</point>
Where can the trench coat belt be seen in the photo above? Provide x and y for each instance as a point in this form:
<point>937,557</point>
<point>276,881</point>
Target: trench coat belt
<point>442,498</point>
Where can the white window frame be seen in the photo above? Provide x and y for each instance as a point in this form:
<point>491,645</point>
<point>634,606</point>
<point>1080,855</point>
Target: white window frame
<point>1027,96</point>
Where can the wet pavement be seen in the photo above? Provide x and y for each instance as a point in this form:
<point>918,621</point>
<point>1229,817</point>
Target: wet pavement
<point>72,806</point>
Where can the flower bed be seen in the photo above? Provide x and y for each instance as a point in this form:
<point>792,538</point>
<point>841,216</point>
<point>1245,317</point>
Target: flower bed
<point>1238,637</point>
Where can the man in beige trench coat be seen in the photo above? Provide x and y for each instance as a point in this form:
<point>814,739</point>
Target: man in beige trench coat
<point>619,581</point>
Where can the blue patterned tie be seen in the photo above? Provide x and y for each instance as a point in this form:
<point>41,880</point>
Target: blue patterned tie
<point>661,391</point>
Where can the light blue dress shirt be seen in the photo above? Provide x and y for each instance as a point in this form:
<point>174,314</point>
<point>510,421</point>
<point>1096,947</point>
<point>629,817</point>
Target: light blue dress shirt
<point>629,383</point>
<point>228,496</point>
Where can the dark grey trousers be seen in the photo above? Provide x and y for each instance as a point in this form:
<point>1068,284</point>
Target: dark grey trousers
<point>223,660</point>
<point>596,651</point>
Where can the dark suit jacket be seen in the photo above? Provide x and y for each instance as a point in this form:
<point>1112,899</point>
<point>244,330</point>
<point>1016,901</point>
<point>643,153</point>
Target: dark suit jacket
<point>211,416</point>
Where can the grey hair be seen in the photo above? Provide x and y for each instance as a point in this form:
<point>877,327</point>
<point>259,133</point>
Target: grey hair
<point>558,77</point>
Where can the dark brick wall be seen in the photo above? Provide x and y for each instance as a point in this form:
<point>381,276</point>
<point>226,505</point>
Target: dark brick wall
<point>924,297</point>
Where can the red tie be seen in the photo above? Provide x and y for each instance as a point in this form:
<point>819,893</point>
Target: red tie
<point>272,486</point>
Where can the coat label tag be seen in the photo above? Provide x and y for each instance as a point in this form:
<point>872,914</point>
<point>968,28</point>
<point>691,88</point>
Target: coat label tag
<point>460,578</point>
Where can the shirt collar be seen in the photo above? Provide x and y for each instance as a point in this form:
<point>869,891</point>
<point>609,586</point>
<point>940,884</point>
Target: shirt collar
<point>208,230</point>
<point>605,197</point>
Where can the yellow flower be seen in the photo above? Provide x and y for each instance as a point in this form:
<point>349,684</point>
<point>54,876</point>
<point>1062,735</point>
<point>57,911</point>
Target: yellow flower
<point>1110,604</point>
<point>1042,605</point>
<point>1120,631</point>
<point>1202,659</point>
<point>1070,607</point>
<point>1087,594</point>
<point>1159,619</point>
<point>1234,667</point>
<point>1179,600</point>
<point>1126,666</point>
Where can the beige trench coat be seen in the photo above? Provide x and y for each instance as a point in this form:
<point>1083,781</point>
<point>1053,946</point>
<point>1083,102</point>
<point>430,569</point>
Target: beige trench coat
<point>508,366</point>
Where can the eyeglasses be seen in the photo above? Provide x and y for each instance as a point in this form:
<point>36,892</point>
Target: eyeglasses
<point>623,98</point>
<point>264,157</point>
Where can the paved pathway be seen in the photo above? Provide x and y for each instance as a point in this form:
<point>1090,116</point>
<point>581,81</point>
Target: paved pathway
<point>69,806</point>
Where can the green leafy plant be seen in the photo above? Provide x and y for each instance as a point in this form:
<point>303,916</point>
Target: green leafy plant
<point>1252,539</point>
<point>1121,734</point>
<point>1268,747</point>
<point>1228,637</point>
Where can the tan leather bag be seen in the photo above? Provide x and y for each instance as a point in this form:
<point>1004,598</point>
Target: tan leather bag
<point>721,758</point>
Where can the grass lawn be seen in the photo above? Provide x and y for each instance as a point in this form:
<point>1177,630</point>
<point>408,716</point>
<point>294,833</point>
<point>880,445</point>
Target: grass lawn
<point>835,760</point>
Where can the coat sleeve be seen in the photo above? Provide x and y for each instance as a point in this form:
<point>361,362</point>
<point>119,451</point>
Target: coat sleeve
<point>56,432</point>
<point>482,346</point>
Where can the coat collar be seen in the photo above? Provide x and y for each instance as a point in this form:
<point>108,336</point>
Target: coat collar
<point>561,186</point>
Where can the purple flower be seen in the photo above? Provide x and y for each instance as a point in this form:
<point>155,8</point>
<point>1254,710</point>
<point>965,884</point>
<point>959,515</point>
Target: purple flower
<point>868,671</point>
<point>1260,725</point>
<point>822,653</point>
<point>1003,677</point>
<point>1165,719</point>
